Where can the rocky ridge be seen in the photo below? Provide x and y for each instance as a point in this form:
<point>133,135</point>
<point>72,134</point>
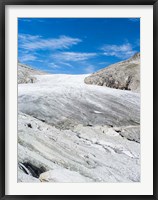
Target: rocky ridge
<point>26,74</point>
<point>124,75</point>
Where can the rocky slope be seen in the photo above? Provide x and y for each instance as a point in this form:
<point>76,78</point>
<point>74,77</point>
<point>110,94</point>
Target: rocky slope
<point>26,74</point>
<point>84,154</point>
<point>69,131</point>
<point>123,75</point>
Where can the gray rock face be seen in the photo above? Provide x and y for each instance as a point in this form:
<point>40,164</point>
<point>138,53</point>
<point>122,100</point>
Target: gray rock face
<point>84,154</point>
<point>26,74</point>
<point>123,75</point>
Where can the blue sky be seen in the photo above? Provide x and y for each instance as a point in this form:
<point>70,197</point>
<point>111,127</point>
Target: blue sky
<point>76,45</point>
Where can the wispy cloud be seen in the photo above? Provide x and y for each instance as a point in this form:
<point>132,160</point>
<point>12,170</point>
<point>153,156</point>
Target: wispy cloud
<point>120,51</point>
<point>31,20</point>
<point>24,19</point>
<point>73,56</point>
<point>54,66</point>
<point>36,42</point>
<point>27,57</point>
<point>89,69</point>
<point>74,60</point>
<point>134,19</point>
<point>66,64</point>
<point>24,37</point>
<point>39,20</point>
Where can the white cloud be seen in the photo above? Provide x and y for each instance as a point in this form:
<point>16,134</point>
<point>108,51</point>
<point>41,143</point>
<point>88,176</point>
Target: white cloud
<point>54,66</point>
<point>30,19</point>
<point>26,37</point>
<point>89,69</point>
<point>39,20</point>
<point>66,64</point>
<point>121,51</point>
<point>36,42</point>
<point>27,57</point>
<point>73,56</point>
<point>134,19</point>
<point>24,19</point>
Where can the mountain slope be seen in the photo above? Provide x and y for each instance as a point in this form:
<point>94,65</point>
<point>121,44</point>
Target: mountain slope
<point>26,74</point>
<point>123,75</point>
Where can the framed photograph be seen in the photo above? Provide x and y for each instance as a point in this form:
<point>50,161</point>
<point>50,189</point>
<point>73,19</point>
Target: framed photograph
<point>78,88</point>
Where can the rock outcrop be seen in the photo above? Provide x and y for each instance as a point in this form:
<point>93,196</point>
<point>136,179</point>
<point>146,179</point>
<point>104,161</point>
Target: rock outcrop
<point>26,74</point>
<point>124,75</point>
